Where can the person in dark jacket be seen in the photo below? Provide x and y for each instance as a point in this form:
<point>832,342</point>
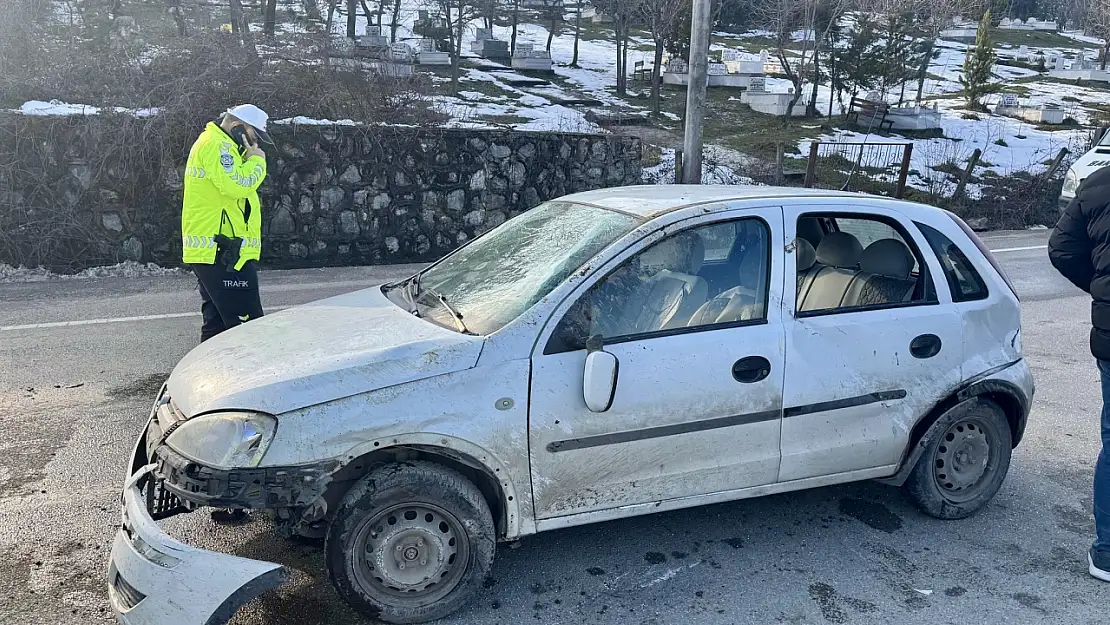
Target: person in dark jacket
<point>1079,248</point>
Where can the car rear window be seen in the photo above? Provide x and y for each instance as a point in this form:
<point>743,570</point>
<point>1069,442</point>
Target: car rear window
<point>963,280</point>
<point>984,249</point>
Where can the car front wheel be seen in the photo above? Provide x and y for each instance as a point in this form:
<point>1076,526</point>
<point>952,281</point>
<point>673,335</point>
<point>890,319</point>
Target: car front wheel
<point>410,543</point>
<point>964,462</point>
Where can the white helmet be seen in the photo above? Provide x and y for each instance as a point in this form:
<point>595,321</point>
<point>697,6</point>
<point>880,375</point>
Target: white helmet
<point>254,117</point>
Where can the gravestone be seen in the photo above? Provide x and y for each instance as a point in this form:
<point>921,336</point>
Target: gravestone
<point>717,69</point>
<point>730,56</point>
<point>757,84</point>
<point>1010,100</point>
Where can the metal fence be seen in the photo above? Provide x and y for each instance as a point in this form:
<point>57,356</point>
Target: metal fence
<point>880,168</point>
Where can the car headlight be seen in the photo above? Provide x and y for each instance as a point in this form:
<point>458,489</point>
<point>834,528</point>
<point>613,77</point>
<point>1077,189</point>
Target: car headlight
<point>225,440</point>
<point>1071,183</point>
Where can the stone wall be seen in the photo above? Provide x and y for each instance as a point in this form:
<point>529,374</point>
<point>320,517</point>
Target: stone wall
<point>335,195</point>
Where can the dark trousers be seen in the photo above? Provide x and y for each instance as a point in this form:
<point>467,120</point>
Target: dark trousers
<point>1102,467</point>
<point>228,297</point>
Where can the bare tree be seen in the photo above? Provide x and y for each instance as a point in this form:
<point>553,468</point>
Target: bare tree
<point>624,14</point>
<point>458,15</point>
<point>241,25</point>
<point>553,12</point>
<point>1098,24</point>
<point>577,32</point>
<point>661,19</point>
<point>930,18</point>
<point>813,19</point>
<point>396,22</point>
<point>269,18</point>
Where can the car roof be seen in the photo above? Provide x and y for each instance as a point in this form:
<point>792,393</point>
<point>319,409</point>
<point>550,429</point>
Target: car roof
<point>651,201</point>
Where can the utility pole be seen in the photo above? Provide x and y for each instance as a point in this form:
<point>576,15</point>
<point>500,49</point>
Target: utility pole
<point>695,92</point>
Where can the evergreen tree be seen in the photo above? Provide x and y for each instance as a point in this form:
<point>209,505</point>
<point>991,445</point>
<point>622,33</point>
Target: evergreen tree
<point>976,79</point>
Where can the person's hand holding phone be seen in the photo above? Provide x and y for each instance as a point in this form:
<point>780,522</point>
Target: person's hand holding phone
<point>251,149</point>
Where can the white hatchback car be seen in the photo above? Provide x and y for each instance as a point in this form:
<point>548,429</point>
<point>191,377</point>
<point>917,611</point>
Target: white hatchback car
<point>604,355</point>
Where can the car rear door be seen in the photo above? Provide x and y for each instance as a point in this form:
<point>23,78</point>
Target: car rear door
<point>864,360</point>
<point>697,405</point>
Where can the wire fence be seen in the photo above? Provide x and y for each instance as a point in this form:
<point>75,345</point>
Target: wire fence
<point>880,168</point>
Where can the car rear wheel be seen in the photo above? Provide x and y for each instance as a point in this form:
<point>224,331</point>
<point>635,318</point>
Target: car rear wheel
<point>410,543</point>
<point>964,462</point>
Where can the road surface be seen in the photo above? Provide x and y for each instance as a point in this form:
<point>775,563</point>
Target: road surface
<point>81,359</point>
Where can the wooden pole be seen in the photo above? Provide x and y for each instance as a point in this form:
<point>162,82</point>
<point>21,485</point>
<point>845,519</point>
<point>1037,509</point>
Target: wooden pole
<point>811,166</point>
<point>904,173</point>
<point>695,91</point>
<point>971,163</point>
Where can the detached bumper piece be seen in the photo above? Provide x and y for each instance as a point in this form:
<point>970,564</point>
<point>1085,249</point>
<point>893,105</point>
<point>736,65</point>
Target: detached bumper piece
<point>156,580</point>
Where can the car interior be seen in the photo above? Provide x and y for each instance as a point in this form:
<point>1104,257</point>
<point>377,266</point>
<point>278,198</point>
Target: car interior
<point>718,274</point>
<point>859,262</point>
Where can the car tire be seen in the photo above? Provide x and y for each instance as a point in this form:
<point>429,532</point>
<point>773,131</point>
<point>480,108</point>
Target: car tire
<point>420,514</point>
<point>964,462</point>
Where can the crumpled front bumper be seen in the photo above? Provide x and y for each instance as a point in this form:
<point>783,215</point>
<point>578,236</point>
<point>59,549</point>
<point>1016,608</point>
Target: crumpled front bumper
<point>156,580</point>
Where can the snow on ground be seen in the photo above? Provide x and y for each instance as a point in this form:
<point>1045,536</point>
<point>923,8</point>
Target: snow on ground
<point>56,108</point>
<point>717,167</point>
<point>1080,37</point>
<point>127,269</point>
<point>1008,146</point>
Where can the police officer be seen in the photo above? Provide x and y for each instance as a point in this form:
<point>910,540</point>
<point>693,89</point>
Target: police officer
<point>221,225</point>
<point>221,217</point>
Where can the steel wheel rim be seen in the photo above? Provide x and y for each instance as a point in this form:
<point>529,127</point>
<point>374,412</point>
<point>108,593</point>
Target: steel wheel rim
<point>412,553</point>
<point>964,461</point>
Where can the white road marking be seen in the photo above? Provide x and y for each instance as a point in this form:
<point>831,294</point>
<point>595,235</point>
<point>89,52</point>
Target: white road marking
<point>91,322</point>
<point>1020,249</point>
<point>94,322</point>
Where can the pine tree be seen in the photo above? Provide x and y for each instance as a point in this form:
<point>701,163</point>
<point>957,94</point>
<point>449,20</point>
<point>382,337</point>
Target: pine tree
<point>976,79</point>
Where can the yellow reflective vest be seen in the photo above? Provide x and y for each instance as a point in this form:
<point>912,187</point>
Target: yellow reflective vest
<point>218,186</point>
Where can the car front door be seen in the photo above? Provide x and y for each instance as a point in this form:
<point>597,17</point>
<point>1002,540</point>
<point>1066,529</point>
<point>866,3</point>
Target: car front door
<point>870,348</point>
<point>697,396</point>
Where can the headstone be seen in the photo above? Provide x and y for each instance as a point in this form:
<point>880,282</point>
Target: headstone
<point>1005,23</point>
<point>757,84</point>
<point>427,45</point>
<point>422,15</point>
<point>524,50</point>
<point>400,52</point>
<point>677,66</point>
<point>764,56</point>
<point>373,30</point>
<point>1010,100</point>
<point>717,69</point>
<point>1060,63</point>
<point>482,34</point>
<point>730,56</point>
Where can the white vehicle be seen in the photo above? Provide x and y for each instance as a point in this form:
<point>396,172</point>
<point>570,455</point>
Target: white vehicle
<point>1096,158</point>
<point>609,354</point>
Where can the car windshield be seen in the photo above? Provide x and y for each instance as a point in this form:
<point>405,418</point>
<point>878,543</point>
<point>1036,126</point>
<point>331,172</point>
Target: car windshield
<point>491,281</point>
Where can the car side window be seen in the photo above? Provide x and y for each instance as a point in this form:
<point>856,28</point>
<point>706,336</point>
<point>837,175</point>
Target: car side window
<point>861,262</point>
<point>659,291</point>
<point>963,280</point>
<point>718,240</point>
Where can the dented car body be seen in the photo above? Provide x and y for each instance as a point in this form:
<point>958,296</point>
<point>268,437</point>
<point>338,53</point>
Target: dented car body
<point>612,353</point>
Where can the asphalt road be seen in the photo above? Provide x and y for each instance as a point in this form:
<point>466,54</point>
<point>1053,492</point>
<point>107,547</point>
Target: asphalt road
<point>73,397</point>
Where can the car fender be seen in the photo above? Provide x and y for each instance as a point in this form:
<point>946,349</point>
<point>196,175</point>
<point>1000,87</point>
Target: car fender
<point>469,454</point>
<point>1012,380</point>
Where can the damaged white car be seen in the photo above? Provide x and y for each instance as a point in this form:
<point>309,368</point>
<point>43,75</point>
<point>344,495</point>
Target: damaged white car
<point>608,354</point>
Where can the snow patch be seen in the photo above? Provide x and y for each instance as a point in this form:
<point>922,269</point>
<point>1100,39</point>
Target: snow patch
<point>127,269</point>
<point>58,108</point>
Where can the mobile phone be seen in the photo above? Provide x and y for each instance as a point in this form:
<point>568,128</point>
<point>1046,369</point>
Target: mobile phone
<point>240,135</point>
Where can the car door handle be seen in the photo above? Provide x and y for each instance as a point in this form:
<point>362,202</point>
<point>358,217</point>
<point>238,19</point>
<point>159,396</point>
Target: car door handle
<point>751,369</point>
<point>925,346</point>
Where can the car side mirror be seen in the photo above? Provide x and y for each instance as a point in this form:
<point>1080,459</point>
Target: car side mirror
<point>599,377</point>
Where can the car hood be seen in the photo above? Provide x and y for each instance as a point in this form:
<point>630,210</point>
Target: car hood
<point>319,352</point>
<point>1091,161</point>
